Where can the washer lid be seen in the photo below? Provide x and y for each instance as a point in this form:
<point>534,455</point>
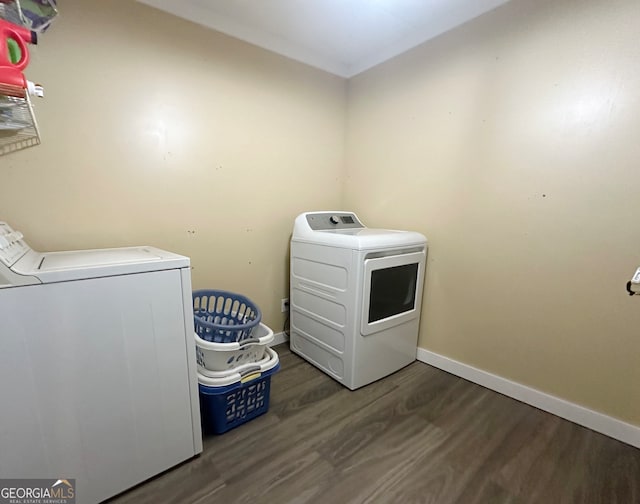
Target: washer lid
<point>81,264</point>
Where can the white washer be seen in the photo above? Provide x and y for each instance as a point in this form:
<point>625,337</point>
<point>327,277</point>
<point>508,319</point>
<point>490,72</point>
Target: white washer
<point>355,296</point>
<point>98,375</point>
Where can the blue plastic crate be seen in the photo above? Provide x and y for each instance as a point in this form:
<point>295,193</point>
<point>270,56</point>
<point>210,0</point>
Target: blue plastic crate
<point>225,407</point>
<point>224,317</point>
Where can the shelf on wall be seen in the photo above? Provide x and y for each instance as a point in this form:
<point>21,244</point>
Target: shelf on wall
<point>18,126</point>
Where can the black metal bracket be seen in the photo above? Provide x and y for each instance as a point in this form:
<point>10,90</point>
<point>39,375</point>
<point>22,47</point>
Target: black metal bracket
<point>629,290</point>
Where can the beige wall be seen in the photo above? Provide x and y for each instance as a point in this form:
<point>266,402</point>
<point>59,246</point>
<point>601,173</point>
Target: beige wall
<point>158,131</point>
<point>512,143</point>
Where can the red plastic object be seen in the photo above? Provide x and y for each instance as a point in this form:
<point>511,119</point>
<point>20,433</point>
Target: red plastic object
<point>12,82</point>
<point>22,36</point>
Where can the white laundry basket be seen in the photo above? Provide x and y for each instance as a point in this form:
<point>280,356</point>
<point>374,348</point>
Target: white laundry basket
<point>216,357</point>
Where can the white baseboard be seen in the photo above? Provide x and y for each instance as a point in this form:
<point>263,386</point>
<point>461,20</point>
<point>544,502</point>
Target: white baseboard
<point>609,426</point>
<point>278,338</point>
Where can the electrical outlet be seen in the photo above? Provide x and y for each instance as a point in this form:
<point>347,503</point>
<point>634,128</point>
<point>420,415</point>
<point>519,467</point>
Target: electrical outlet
<point>284,305</point>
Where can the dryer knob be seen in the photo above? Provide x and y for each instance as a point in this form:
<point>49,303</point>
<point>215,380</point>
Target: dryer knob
<point>334,219</point>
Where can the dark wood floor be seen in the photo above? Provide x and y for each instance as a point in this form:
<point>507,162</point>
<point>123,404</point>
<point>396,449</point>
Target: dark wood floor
<point>418,436</point>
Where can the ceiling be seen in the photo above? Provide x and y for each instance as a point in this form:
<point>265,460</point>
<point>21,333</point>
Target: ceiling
<point>344,37</point>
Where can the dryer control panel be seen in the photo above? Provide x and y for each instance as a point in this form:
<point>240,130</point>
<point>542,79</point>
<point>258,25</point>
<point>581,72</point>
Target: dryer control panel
<point>322,221</point>
<point>12,247</point>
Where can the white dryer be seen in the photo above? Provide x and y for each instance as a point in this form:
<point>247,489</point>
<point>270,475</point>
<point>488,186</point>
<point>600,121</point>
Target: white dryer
<point>355,296</point>
<point>98,377</point>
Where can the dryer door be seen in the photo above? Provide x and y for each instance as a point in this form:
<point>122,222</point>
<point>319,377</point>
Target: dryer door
<point>392,291</point>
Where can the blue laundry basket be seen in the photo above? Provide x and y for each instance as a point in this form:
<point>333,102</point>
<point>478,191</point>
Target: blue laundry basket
<point>224,317</point>
<point>235,399</point>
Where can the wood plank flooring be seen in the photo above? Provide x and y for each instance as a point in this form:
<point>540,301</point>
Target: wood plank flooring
<point>418,436</point>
